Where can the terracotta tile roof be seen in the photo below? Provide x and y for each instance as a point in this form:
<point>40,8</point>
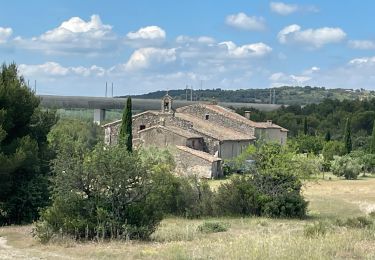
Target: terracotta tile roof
<point>173,129</point>
<point>213,130</point>
<point>200,154</point>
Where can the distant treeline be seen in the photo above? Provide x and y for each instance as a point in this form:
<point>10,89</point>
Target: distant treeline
<point>287,95</point>
<point>327,116</point>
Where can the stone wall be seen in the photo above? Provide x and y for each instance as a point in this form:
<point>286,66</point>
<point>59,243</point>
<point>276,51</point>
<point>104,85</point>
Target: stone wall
<point>271,135</point>
<point>162,137</point>
<point>231,149</point>
<point>188,165</point>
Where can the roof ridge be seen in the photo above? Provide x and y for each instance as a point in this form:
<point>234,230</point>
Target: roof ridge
<point>198,153</point>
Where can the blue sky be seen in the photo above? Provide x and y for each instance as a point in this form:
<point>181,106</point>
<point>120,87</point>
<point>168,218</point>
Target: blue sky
<point>74,47</point>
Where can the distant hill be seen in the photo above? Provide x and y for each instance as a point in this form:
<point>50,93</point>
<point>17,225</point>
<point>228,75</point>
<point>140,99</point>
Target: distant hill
<point>283,95</point>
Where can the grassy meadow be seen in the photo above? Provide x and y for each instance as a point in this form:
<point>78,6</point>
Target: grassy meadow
<point>245,238</point>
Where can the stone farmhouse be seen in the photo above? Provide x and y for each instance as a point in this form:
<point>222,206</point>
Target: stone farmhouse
<point>200,136</point>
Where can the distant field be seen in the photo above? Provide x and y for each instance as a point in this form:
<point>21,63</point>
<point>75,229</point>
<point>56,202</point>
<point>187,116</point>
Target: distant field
<point>247,238</point>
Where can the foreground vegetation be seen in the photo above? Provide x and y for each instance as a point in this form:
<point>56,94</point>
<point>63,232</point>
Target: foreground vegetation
<point>250,238</point>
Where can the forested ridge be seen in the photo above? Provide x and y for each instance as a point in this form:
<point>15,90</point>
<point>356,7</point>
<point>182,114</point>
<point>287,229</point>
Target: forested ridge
<point>287,95</point>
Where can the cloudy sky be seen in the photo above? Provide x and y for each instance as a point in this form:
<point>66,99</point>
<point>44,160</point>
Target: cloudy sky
<point>73,47</point>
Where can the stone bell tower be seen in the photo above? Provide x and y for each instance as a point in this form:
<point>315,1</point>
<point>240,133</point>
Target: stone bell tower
<point>166,104</point>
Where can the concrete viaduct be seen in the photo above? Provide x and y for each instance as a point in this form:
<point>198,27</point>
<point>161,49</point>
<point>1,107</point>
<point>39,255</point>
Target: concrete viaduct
<point>101,104</point>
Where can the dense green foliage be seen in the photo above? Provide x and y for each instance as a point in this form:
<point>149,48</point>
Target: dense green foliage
<point>328,116</point>
<point>348,137</point>
<point>24,152</point>
<point>107,192</point>
<point>372,146</point>
<point>287,95</point>
<point>273,189</point>
<point>347,166</point>
<point>125,135</point>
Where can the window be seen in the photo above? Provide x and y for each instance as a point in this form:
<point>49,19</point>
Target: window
<point>141,127</point>
<point>207,116</point>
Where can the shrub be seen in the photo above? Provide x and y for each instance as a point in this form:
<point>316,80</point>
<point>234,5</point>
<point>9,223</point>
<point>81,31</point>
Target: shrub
<point>358,222</point>
<point>346,166</point>
<point>263,194</point>
<point>316,229</point>
<point>213,227</point>
<point>106,193</point>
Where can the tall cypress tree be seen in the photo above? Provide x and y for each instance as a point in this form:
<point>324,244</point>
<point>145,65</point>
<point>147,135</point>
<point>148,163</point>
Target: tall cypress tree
<point>305,128</point>
<point>328,136</point>
<point>125,135</point>
<point>348,137</point>
<point>372,147</point>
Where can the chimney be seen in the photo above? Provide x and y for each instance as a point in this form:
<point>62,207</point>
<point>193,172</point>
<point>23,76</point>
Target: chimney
<point>247,114</point>
<point>269,122</point>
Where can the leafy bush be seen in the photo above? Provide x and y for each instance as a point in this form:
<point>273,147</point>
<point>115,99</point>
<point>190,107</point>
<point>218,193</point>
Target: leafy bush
<point>263,194</point>
<point>331,149</point>
<point>273,189</point>
<point>309,144</point>
<point>238,197</point>
<point>316,229</point>
<point>356,222</point>
<point>346,166</point>
<point>106,193</point>
<point>367,160</point>
<point>213,227</point>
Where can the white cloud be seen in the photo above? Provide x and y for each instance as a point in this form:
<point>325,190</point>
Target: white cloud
<point>76,27</point>
<point>365,61</point>
<point>362,44</point>
<point>281,79</point>
<point>286,9</point>
<point>74,36</point>
<point>145,57</point>
<point>148,36</point>
<point>183,39</point>
<point>311,37</point>
<point>54,69</point>
<point>244,22</point>
<point>248,50</point>
<point>312,70</point>
<point>277,76</point>
<point>282,8</point>
<point>147,33</point>
<point>5,33</point>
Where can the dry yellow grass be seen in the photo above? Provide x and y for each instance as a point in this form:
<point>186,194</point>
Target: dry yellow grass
<point>247,238</point>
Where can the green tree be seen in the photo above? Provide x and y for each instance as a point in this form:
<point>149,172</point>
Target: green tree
<point>372,147</point>
<point>346,166</point>
<point>108,193</point>
<point>126,136</point>
<point>309,144</point>
<point>327,137</point>
<point>347,137</point>
<point>24,151</point>
<point>305,127</point>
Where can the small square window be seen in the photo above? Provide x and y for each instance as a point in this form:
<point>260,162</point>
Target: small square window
<point>141,127</point>
<point>207,117</point>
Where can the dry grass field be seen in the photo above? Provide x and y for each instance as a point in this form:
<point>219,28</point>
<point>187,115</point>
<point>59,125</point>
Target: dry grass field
<point>246,238</point>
